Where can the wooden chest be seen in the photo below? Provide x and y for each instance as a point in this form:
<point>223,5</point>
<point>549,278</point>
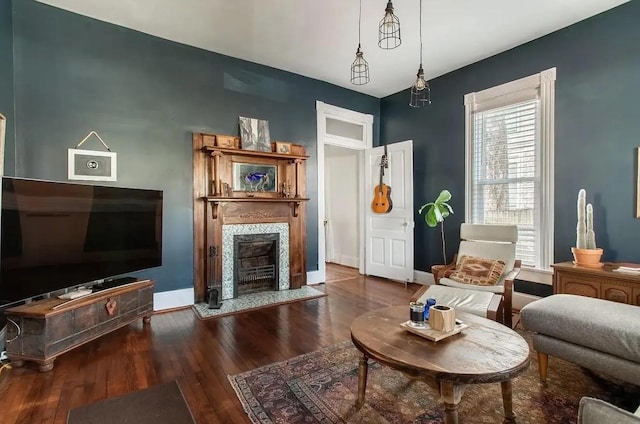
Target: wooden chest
<point>50,327</point>
<point>600,283</point>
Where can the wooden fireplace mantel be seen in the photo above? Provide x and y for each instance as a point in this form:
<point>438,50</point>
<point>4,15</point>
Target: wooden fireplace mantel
<point>218,202</point>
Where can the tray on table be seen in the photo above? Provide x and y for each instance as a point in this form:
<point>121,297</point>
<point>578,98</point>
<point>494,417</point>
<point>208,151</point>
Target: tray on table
<point>431,334</point>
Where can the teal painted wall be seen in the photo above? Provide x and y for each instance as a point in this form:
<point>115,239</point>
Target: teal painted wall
<point>596,131</point>
<point>145,96</point>
<point>63,75</point>
<point>6,81</point>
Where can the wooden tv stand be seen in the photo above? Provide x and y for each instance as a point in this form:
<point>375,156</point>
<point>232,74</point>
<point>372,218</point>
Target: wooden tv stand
<point>50,327</point>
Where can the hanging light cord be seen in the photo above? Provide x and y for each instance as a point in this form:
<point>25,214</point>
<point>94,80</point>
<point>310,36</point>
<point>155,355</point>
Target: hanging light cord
<point>359,18</point>
<point>420,33</point>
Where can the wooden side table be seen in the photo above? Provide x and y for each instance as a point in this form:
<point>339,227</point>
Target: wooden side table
<point>600,283</point>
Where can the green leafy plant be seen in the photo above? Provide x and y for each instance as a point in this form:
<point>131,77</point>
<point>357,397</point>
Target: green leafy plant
<point>435,214</point>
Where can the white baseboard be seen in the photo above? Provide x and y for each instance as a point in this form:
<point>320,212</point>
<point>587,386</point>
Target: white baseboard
<point>422,277</point>
<point>346,260</point>
<point>315,277</point>
<point>184,297</point>
<point>173,299</point>
<point>519,300</point>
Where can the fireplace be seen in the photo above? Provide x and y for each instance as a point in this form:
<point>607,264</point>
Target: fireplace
<point>255,257</point>
<point>255,263</point>
<point>222,210</point>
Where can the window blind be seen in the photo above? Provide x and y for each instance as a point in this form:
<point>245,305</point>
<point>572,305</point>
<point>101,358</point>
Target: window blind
<point>505,177</point>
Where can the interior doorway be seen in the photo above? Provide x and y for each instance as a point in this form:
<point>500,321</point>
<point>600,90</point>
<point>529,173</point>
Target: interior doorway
<point>342,212</point>
<point>339,129</point>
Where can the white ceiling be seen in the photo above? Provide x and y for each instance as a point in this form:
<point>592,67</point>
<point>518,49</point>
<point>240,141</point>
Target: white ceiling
<point>318,38</point>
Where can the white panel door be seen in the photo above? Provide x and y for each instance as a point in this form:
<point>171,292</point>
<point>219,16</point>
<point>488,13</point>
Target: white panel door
<point>389,236</point>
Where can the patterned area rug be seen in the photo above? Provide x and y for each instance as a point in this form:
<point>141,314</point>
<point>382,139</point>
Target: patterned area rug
<point>322,386</point>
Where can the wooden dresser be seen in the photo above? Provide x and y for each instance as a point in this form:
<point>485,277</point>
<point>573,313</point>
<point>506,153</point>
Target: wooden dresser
<point>601,283</point>
<point>50,327</point>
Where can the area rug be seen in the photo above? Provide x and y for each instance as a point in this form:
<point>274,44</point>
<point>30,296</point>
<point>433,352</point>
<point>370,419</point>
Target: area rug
<point>322,386</point>
<point>254,301</point>
<point>163,404</point>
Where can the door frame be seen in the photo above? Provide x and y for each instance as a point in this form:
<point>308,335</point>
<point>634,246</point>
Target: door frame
<point>323,111</point>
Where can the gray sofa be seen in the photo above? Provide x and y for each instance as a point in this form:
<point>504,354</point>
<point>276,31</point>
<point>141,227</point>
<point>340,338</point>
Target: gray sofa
<point>597,334</point>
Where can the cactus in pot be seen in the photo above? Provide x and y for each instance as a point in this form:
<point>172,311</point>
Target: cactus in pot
<point>591,235</point>
<point>586,253</point>
<point>581,228</point>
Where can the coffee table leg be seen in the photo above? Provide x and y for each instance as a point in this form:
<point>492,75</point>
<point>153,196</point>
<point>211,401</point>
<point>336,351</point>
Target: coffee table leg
<point>451,393</point>
<point>507,402</point>
<point>363,368</point>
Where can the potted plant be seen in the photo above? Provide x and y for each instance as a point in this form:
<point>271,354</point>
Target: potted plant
<point>585,252</point>
<point>436,212</point>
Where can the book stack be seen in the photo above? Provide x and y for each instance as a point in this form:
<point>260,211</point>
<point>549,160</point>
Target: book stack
<point>628,269</point>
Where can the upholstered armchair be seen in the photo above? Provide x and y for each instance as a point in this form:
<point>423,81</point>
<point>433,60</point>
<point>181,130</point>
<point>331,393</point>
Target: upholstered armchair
<point>596,411</point>
<point>480,278</point>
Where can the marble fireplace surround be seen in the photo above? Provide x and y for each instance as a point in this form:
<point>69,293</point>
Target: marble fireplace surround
<point>231,230</point>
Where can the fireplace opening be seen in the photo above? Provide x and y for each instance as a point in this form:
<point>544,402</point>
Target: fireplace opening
<point>255,263</point>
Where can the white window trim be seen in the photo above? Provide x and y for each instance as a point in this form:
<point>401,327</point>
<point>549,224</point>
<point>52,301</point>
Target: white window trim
<point>542,87</point>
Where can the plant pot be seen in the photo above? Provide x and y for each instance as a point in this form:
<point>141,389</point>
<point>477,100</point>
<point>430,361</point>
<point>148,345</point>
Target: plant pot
<point>589,258</point>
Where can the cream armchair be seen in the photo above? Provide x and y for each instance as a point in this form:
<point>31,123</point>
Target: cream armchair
<point>596,411</point>
<point>480,279</point>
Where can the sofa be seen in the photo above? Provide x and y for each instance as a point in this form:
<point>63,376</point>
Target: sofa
<point>597,334</point>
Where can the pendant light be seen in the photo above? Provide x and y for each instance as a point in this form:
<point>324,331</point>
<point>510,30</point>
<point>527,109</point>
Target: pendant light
<point>389,29</point>
<point>359,67</point>
<point>420,91</point>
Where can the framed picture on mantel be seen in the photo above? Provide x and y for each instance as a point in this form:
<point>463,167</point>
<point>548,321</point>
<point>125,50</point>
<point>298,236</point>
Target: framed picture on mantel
<point>254,177</point>
<point>254,134</point>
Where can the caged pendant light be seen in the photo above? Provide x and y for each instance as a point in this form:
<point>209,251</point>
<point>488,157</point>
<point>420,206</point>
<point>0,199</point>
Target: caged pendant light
<point>420,91</point>
<point>359,67</point>
<point>389,29</point>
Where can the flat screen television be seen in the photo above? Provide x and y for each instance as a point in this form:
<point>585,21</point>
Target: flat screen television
<point>59,235</point>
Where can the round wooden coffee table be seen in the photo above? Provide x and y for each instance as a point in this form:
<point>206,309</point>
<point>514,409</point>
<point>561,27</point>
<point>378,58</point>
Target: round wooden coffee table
<point>485,352</point>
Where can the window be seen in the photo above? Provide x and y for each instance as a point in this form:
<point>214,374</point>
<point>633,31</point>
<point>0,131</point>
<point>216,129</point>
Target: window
<point>509,162</point>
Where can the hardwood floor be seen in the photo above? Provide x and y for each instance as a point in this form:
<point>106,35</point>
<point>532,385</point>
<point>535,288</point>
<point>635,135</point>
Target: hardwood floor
<point>335,273</point>
<point>198,354</point>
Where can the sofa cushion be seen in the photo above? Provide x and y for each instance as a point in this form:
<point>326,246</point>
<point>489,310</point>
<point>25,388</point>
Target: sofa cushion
<point>598,324</point>
<point>477,271</point>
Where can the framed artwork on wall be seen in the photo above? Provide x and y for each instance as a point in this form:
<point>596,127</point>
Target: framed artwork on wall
<point>254,177</point>
<point>254,134</point>
<point>91,165</point>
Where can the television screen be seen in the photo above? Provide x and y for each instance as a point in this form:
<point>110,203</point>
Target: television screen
<point>58,235</point>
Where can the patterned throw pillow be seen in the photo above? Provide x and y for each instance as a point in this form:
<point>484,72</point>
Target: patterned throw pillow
<point>477,271</point>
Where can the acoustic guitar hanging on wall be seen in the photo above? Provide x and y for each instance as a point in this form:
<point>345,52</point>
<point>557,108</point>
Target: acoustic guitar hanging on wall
<point>382,193</point>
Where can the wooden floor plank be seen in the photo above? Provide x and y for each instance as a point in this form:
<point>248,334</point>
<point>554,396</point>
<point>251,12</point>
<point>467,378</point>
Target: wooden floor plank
<point>200,354</point>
